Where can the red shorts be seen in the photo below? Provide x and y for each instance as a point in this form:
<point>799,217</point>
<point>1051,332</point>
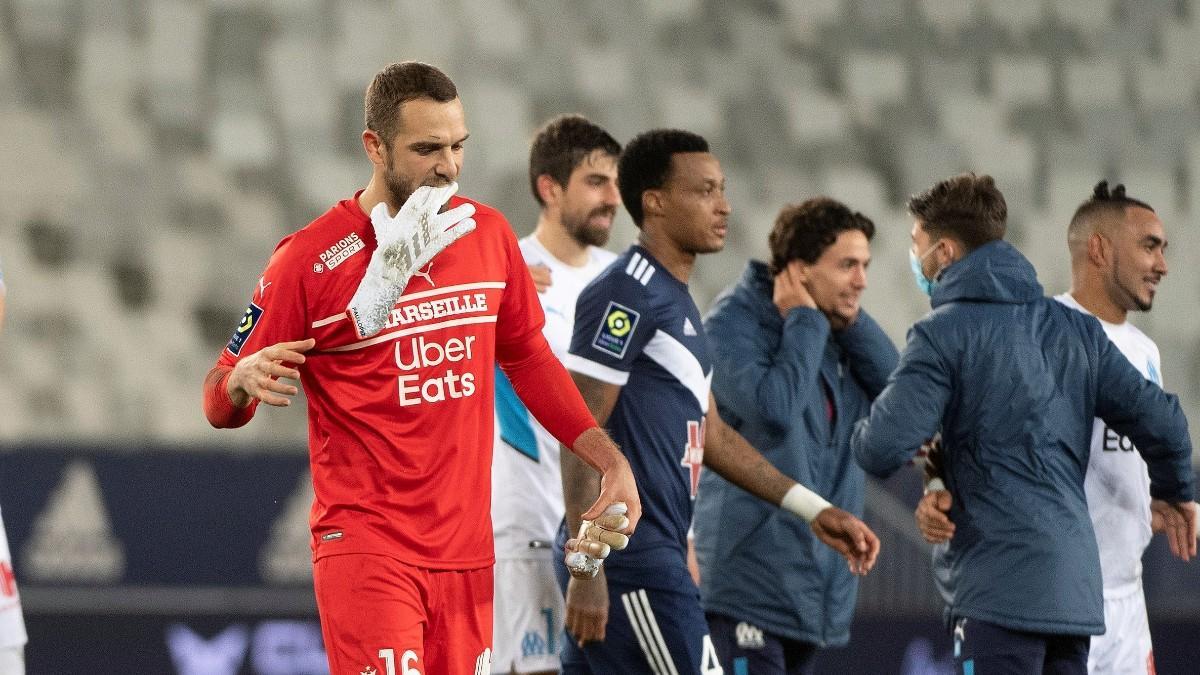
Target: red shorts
<point>379,615</point>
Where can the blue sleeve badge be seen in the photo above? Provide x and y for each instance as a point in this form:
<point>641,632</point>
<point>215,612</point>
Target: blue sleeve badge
<point>244,329</point>
<point>616,330</point>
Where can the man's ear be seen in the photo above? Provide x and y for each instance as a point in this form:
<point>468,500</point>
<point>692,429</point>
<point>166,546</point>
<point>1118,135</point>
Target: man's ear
<point>803,270</point>
<point>1099,250</point>
<point>652,203</point>
<point>375,148</point>
<point>548,189</point>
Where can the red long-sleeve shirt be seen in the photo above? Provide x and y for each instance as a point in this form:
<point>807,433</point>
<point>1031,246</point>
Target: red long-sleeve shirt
<point>400,424</point>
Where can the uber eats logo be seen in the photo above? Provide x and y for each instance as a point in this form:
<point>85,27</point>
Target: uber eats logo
<point>616,330</point>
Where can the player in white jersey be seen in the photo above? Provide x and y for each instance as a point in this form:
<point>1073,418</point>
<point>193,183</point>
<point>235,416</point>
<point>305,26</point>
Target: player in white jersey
<point>1117,248</point>
<point>12,622</point>
<point>572,172</point>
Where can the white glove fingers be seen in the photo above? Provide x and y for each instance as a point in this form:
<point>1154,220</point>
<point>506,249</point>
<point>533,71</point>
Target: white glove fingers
<point>418,202</point>
<point>380,215</point>
<point>441,195</point>
<point>461,212</point>
<point>616,523</point>
<point>616,540</point>
<point>597,549</point>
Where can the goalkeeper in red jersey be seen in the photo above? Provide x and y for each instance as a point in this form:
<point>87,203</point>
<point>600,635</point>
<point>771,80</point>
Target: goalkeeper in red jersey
<point>392,310</point>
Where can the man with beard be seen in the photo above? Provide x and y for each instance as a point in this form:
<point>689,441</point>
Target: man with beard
<point>1118,246</point>
<point>640,356</point>
<point>1013,380</point>
<point>573,176</point>
<point>401,416</point>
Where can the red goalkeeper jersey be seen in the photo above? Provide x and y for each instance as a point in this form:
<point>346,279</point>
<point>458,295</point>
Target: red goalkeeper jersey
<point>400,424</point>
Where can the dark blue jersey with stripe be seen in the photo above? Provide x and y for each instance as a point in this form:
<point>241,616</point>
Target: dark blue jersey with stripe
<point>637,326</point>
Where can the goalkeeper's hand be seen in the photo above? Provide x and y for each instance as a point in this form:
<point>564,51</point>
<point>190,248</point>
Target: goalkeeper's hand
<point>405,242</point>
<point>596,539</point>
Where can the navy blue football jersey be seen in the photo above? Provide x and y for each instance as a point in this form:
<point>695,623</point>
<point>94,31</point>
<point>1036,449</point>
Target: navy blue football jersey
<point>637,326</point>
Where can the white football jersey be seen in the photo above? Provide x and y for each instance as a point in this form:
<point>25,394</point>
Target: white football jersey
<point>12,622</point>
<point>527,500</point>
<point>1117,483</point>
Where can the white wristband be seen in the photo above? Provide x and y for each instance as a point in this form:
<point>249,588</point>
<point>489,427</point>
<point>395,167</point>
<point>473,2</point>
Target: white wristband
<point>934,485</point>
<point>803,502</point>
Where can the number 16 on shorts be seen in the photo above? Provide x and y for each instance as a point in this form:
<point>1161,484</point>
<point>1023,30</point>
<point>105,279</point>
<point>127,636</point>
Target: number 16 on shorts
<point>408,663</point>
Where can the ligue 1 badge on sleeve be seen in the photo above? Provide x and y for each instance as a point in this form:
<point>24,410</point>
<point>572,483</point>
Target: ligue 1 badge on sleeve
<point>616,329</point>
<point>244,329</point>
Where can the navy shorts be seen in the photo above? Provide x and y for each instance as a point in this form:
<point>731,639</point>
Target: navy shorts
<point>982,648</point>
<point>650,631</point>
<point>746,649</point>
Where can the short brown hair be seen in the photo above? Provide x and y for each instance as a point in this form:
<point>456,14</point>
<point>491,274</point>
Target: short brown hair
<point>803,231</point>
<point>395,85</point>
<point>968,207</point>
<point>562,144</point>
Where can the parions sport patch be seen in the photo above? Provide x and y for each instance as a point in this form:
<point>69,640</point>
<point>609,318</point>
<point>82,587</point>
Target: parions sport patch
<point>616,330</point>
<point>249,322</point>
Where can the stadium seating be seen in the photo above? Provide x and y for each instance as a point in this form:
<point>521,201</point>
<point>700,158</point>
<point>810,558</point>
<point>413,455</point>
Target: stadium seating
<point>157,150</point>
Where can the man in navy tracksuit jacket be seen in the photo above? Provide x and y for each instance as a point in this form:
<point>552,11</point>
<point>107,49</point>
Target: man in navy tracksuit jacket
<point>796,363</point>
<point>1012,380</point>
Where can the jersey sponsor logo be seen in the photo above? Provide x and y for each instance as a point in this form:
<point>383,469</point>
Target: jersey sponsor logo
<point>263,284</point>
<point>1114,442</point>
<point>693,452</point>
<point>422,355</point>
<point>616,329</point>
<point>338,253</point>
<point>466,303</point>
<point>749,636</point>
<point>249,322</point>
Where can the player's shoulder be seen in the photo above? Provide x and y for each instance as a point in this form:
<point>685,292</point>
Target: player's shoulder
<point>619,280</point>
<point>331,237</point>
<point>486,215</point>
<point>1144,341</point>
<point>601,256</point>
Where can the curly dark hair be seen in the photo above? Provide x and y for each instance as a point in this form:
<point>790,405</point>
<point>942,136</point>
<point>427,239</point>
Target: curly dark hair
<point>803,231</point>
<point>562,144</point>
<point>968,207</point>
<point>397,84</point>
<point>645,164</point>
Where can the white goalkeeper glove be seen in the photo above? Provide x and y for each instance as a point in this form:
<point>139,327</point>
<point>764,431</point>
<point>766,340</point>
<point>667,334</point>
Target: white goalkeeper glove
<point>596,539</point>
<point>406,242</point>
